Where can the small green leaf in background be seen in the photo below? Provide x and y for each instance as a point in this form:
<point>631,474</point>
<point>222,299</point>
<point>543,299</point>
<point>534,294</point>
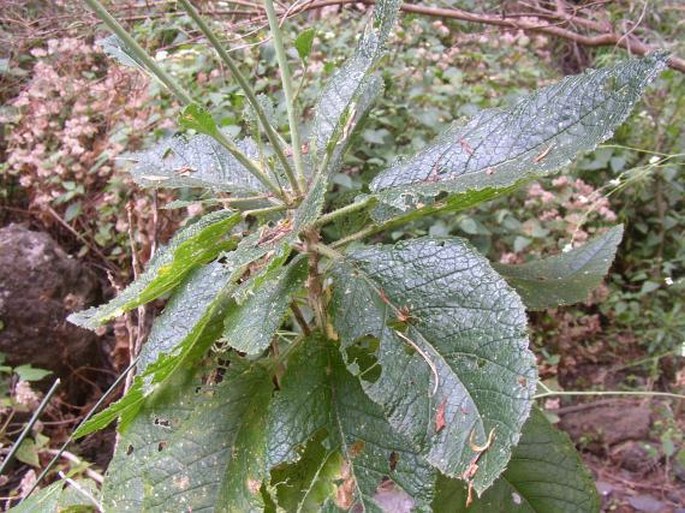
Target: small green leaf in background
<point>28,373</point>
<point>545,475</point>
<point>198,118</point>
<point>566,278</point>
<point>303,43</point>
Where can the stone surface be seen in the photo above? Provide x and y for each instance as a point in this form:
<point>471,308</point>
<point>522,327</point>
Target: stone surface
<point>39,286</point>
<point>606,425</point>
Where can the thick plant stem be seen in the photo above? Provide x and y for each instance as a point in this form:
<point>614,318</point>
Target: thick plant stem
<point>287,82</point>
<point>247,89</point>
<point>314,282</point>
<point>161,75</point>
<point>341,212</point>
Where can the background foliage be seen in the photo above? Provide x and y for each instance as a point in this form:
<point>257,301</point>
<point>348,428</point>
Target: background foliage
<point>68,113</point>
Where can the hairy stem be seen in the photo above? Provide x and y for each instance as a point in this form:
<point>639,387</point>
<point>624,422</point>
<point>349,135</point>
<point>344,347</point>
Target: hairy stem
<point>286,80</point>
<point>161,75</point>
<point>247,89</point>
<point>341,212</point>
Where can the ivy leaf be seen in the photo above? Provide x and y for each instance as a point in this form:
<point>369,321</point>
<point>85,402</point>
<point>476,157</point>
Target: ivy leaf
<point>566,278</point>
<point>191,247</point>
<point>439,340</point>
<point>348,95</point>
<point>250,326</point>
<point>198,161</point>
<point>303,43</point>
<point>545,475</point>
<point>350,448</point>
<point>536,136</point>
<point>208,454</point>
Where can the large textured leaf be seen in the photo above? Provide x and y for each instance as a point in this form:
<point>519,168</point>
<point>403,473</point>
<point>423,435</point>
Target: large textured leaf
<point>195,448</point>
<point>351,91</point>
<point>198,161</point>
<point>350,447</point>
<point>250,326</point>
<point>443,348</point>
<point>537,135</point>
<point>566,278</point>
<point>545,475</point>
<point>191,322</point>
<point>193,246</point>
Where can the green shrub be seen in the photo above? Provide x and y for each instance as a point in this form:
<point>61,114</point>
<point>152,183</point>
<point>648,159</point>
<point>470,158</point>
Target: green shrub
<point>301,369</point>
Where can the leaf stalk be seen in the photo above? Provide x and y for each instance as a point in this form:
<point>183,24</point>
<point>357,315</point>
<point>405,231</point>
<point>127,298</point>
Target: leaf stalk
<point>286,80</point>
<point>269,131</point>
<point>181,94</point>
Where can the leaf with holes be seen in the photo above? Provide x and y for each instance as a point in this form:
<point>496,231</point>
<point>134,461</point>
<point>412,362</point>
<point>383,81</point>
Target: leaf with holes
<point>208,454</point>
<point>502,147</point>
<point>545,475</point>
<point>444,349</point>
<point>191,247</point>
<point>351,451</point>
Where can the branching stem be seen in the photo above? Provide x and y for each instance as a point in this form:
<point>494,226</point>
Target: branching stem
<point>247,89</point>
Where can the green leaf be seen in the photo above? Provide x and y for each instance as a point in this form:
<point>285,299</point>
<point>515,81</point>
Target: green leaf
<point>566,278</point>
<point>191,322</point>
<point>28,452</point>
<point>28,373</point>
<point>250,326</point>
<point>545,475</point>
<point>197,161</point>
<point>193,246</point>
<point>350,92</point>
<point>198,118</point>
<point>350,447</point>
<point>303,43</point>
<point>207,454</point>
<point>444,348</point>
<point>534,137</point>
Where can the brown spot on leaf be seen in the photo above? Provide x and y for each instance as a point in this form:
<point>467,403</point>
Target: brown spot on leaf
<point>522,381</point>
<point>394,459</point>
<point>356,448</point>
<point>181,482</point>
<point>440,416</point>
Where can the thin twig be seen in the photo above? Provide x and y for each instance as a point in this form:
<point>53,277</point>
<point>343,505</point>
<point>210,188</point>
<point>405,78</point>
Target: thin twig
<point>29,426</point>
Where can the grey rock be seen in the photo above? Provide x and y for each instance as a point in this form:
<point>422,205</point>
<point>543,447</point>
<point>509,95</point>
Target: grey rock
<point>39,286</point>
